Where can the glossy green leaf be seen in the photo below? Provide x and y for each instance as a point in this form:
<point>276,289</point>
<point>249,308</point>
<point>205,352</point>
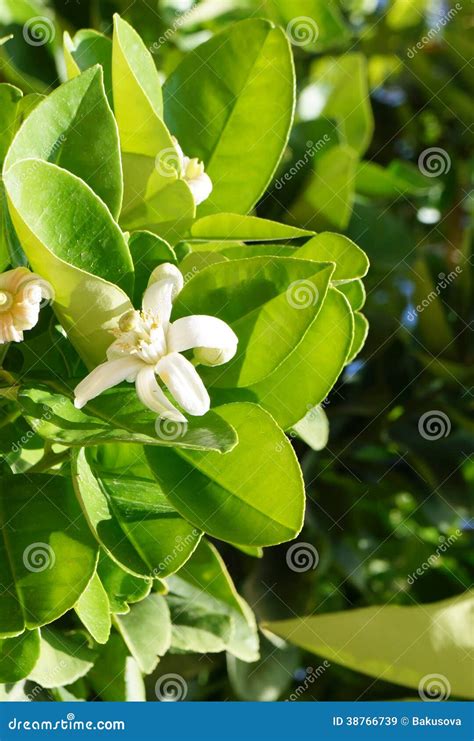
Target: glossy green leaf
<point>313,428</point>
<point>147,251</point>
<point>399,178</point>
<point>132,519</point>
<point>219,123</point>
<point>404,645</point>
<point>47,553</point>
<point>221,227</point>
<point>146,630</point>
<point>207,613</point>
<point>264,680</point>
<point>70,239</point>
<point>116,416</point>
<point>268,302</point>
<point>122,588</point>
<point>354,291</point>
<point>74,128</point>
<point>18,656</point>
<point>64,658</point>
<point>93,610</point>
<point>262,507</point>
<point>351,261</point>
<point>310,372</point>
<point>86,49</point>
<point>116,677</point>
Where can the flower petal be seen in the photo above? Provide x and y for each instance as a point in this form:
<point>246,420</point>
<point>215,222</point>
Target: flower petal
<point>184,382</point>
<point>200,187</point>
<point>106,375</point>
<point>153,397</point>
<point>164,285</point>
<point>214,340</point>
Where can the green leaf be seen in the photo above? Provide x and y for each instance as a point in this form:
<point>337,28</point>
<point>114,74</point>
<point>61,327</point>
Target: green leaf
<point>399,178</point>
<point>263,507</point>
<point>327,199</point>
<point>74,128</point>
<point>47,554</point>
<point>146,630</point>
<point>314,428</point>
<point>64,657</point>
<point>221,227</point>
<point>361,330</point>
<point>138,102</point>
<point>269,302</point>
<point>93,610</point>
<point>341,87</point>
<point>354,291</point>
<point>351,261</point>
<point>116,677</point>
<point>18,656</point>
<point>116,416</point>
<point>219,123</point>
<point>70,238</point>
<point>9,99</point>
<point>207,613</point>
<point>147,251</point>
<point>310,372</point>
<point>132,519</point>
<point>404,645</point>
<point>122,588</point>
<point>312,25</point>
<point>86,49</point>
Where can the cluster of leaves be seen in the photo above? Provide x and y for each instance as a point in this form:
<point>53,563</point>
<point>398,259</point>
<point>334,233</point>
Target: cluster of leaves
<point>105,561</point>
<point>377,85</point>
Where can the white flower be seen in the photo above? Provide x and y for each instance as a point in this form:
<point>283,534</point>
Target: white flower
<point>21,295</point>
<point>192,171</point>
<point>148,345</point>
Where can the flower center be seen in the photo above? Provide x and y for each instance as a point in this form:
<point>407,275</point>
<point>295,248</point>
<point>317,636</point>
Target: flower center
<point>141,333</point>
<point>6,300</point>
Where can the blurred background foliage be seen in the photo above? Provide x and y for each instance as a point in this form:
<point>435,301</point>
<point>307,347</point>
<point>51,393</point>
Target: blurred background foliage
<point>381,150</point>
